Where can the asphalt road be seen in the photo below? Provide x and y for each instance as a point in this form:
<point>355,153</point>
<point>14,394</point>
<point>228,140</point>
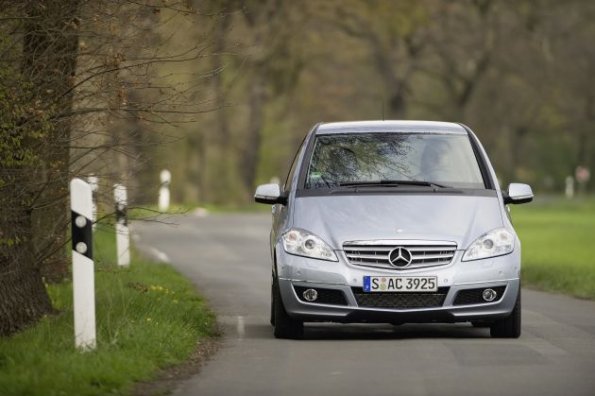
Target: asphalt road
<point>227,257</point>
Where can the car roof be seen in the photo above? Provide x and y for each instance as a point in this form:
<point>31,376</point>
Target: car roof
<point>390,126</point>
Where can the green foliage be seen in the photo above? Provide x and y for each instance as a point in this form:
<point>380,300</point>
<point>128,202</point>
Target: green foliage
<point>557,245</point>
<point>20,123</point>
<point>148,317</point>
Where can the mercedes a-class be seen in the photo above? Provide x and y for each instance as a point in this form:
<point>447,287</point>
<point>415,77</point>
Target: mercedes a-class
<point>393,222</point>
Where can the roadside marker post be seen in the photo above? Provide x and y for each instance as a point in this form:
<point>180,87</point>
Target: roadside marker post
<point>122,230</point>
<point>569,187</point>
<point>83,271</point>
<point>94,183</point>
<point>165,178</point>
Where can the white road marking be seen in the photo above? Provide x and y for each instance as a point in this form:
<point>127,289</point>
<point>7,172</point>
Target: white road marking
<point>161,256</point>
<point>241,327</point>
<point>201,212</point>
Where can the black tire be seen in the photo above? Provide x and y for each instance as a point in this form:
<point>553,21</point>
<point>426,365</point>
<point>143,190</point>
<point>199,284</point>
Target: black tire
<point>509,327</point>
<point>272,317</point>
<point>285,325</point>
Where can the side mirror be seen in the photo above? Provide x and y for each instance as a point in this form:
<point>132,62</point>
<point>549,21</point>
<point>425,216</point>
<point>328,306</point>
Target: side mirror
<point>269,194</point>
<point>518,193</point>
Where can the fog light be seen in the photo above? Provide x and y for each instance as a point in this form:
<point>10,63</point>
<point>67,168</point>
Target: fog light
<point>489,295</point>
<point>310,295</point>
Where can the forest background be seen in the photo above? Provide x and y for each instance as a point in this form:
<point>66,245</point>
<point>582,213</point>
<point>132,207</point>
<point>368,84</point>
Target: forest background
<point>222,92</point>
<point>517,72</point>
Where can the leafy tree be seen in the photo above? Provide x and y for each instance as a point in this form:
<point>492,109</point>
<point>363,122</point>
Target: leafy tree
<point>76,97</point>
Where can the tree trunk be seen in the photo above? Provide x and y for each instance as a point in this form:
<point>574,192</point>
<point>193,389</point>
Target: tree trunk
<point>517,140</point>
<point>50,48</point>
<point>218,86</point>
<point>23,298</point>
<point>255,123</point>
<point>220,160</point>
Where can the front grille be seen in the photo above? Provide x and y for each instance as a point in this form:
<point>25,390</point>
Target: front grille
<point>473,296</point>
<point>375,254</point>
<point>400,300</point>
<point>325,296</point>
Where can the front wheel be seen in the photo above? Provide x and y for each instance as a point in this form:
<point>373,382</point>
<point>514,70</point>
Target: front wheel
<point>272,315</point>
<point>285,325</point>
<point>509,327</point>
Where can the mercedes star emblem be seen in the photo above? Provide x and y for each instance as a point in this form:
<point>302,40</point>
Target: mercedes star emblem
<point>400,257</point>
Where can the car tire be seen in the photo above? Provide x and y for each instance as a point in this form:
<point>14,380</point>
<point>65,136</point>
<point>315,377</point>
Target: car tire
<point>509,327</point>
<point>272,317</point>
<point>285,325</point>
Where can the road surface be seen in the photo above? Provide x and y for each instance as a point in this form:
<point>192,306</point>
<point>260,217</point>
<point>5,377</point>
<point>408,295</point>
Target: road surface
<point>226,256</point>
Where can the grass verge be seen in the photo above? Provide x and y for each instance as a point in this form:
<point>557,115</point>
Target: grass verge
<point>558,246</point>
<point>149,317</point>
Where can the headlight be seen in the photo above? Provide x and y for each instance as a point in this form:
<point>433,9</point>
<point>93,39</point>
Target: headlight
<point>497,242</point>
<point>303,243</point>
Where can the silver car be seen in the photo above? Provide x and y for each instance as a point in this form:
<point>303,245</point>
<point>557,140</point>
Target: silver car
<point>393,222</point>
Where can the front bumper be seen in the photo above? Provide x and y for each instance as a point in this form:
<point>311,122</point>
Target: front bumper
<point>300,272</point>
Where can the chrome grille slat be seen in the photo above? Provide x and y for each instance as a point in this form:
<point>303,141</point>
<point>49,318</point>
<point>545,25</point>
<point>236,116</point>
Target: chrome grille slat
<point>376,254</point>
<point>371,249</point>
<point>431,249</point>
<point>431,257</point>
<point>372,265</point>
<point>367,256</point>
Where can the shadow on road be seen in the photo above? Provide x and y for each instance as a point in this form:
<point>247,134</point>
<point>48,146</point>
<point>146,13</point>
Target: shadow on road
<point>388,332</point>
<point>332,331</point>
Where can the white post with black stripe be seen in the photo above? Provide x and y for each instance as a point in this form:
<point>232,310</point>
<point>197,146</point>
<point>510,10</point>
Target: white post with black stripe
<point>94,183</point>
<point>122,230</point>
<point>165,177</point>
<point>83,271</point>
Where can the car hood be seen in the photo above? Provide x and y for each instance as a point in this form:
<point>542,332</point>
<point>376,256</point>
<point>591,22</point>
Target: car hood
<point>340,218</point>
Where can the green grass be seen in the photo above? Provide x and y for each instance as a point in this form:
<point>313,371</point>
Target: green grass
<point>558,245</point>
<point>148,317</point>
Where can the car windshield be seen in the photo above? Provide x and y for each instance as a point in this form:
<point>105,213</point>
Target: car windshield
<point>393,159</point>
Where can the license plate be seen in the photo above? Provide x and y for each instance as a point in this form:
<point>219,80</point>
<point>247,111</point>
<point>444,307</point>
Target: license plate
<point>373,284</point>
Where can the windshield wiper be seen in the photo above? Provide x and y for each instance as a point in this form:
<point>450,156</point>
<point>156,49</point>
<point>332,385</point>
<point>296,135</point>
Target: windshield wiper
<point>392,183</point>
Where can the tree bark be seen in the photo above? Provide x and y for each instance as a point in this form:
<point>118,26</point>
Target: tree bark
<point>255,123</point>
<point>23,297</point>
<point>50,48</point>
<point>218,85</point>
